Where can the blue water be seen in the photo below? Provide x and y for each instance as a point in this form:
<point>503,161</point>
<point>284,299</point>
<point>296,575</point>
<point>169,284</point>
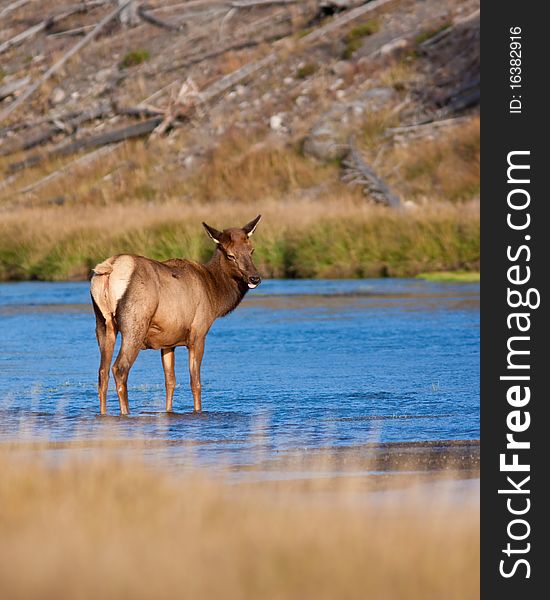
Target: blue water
<point>298,365</point>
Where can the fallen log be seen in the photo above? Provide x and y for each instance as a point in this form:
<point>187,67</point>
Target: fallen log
<point>344,19</point>
<point>62,13</point>
<point>101,139</point>
<point>54,68</point>
<point>75,31</point>
<point>59,124</point>
<point>425,126</point>
<point>26,35</point>
<point>357,172</point>
<point>11,7</point>
<point>10,88</point>
<point>152,20</point>
<point>191,4</point>
<point>254,3</point>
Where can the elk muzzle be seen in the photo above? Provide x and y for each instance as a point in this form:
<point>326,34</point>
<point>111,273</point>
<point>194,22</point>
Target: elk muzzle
<point>254,281</point>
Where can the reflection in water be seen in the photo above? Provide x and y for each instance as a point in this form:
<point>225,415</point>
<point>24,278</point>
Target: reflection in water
<point>300,365</point>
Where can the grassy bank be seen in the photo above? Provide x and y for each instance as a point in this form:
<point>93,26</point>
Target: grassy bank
<point>451,276</point>
<point>106,529</point>
<point>344,238</point>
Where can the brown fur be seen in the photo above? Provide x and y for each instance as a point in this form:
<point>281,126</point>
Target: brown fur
<point>161,305</point>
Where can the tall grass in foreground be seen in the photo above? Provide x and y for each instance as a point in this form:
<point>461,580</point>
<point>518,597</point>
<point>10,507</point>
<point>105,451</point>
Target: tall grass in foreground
<point>338,238</point>
<point>110,529</point>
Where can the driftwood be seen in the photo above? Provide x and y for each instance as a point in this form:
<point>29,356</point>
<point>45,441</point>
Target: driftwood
<point>127,16</point>
<point>357,172</point>
<point>344,19</point>
<point>76,31</point>
<point>138,111</point>
<point>254,3</point>
<point>101,139</point>
<point>445,32</point>
<point>54,68</point>
<point>62,13</point>
<point>60,124</point>
<point>152,20</point>
<point>425,127</point>
<point>10,7</point>
<point>191,4</point>
<point>10,88</point>
<point>25,35</point>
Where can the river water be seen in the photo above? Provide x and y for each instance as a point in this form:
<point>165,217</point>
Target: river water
<point>300,365</point>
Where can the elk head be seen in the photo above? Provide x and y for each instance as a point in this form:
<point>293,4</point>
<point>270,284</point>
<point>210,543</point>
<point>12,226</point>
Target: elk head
<point>236,250</point>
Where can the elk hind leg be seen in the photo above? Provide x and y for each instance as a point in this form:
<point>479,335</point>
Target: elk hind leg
<point>129,350</point>
<point>106,337</point>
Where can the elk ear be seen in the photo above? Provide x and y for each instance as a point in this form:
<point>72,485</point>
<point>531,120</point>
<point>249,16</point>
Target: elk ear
<point>249,228</point>
<point>214,234</point>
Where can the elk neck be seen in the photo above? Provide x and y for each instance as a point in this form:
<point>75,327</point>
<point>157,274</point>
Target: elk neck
<point>226,291</point>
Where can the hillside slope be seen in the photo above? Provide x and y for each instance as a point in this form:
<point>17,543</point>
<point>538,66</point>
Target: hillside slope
<point>305,111</point>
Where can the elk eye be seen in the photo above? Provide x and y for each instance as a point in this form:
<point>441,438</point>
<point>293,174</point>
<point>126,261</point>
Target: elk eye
<point>231,257</point>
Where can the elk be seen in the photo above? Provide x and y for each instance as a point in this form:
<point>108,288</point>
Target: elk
<point>160,305</point>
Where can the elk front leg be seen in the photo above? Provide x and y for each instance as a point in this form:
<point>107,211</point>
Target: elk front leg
<point>196,352</point>
<point>168,363</point>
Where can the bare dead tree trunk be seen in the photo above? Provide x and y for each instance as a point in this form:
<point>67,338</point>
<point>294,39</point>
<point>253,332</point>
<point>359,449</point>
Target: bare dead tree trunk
<point>129,14</point>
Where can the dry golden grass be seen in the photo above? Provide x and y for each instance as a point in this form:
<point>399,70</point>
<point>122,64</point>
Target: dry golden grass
<point>110,529</point>
<point>298,238</point>
<point>446,168</point>
<point>252,167</point>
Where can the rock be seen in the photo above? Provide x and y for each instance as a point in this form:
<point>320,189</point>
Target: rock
<point>342,68</point>
<point>302,101</point>
<point>276,121</point>
<point>326,140</point>
<point>102,75</point>
<point>58,95</point>
<point>288,80</point>
<point>393,46</point>
<point>240,90</point>
<point>322,142</point>
<point>376,97</point>
<point>337,84</point>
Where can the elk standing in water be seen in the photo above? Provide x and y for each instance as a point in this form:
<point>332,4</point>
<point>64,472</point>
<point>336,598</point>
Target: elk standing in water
<point>161,305</point>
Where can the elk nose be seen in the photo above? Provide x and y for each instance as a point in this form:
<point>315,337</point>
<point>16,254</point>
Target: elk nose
<point>253,281</point>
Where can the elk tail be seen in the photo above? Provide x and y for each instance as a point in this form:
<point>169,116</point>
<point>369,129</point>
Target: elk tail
<point>104,268</point>
<point>99,288</point>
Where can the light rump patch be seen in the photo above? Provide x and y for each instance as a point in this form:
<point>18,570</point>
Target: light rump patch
<point>123,267</point>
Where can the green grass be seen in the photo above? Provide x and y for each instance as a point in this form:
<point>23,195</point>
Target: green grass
<point>451,276</point>
<point>430,33</point>
<point>135,57</point>
<point>355,242</point>
<point>355,37</point>
<point>306,71</point>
